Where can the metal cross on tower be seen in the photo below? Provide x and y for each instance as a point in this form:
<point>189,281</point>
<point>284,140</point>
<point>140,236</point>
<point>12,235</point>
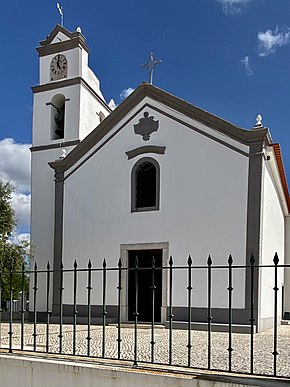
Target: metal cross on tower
<point>150,65</point>
<point>60,10</point>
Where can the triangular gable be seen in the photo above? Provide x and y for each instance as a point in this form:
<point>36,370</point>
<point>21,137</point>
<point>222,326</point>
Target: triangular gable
<point>75,38</point>
<point>58,28</point>
<point>243,136</point>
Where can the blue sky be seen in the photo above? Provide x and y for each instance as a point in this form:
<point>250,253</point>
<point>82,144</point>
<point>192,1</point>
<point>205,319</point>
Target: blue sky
<point>229,57</point>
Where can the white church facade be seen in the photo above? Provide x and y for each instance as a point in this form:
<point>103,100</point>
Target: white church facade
<point>155,176</point>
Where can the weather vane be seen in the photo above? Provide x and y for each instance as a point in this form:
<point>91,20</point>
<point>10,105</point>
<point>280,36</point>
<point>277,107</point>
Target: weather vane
<point>150,65</point>
<point>60,10</point>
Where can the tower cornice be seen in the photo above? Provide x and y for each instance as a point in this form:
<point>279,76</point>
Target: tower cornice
<point>74,39</point>
<point>70,82</point>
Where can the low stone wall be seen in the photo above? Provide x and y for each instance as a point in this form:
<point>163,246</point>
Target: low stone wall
<point>31,371</point>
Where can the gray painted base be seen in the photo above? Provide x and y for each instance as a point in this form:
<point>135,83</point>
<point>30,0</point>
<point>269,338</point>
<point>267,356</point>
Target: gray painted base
<point>219,316</point>
<point>219,322</point>
<point>236,328</point>
<point>16,316</point>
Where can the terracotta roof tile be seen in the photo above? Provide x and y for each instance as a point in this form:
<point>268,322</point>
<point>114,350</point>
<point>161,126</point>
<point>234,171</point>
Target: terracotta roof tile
<point>278,154</point>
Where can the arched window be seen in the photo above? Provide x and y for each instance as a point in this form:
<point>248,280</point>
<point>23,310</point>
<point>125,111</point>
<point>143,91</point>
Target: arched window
<point>145,185</point>
<point>57,116</point>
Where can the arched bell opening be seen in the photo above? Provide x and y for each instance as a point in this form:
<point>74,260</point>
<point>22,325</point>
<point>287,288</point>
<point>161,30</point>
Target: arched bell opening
<point>57,116</point>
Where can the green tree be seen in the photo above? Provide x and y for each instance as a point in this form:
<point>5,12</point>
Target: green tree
<point>13,256</point>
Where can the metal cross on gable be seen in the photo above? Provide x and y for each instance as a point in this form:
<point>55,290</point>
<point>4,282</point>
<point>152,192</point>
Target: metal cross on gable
<point>150,65</point>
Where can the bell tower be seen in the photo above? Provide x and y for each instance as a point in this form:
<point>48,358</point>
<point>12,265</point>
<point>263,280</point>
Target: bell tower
<point>68,102</point>
<point>67,106</point>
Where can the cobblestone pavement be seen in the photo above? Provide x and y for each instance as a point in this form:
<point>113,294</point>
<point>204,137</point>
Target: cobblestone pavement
<point>263,346</point>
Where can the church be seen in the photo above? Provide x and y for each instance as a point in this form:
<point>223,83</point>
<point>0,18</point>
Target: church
<point>154,176</point>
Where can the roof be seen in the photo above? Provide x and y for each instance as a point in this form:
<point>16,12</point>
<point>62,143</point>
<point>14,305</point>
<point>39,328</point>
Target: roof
<point>281,169</point>
<point>75,39</point>
<point>247,137</point>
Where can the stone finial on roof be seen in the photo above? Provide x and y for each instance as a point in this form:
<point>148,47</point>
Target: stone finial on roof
<point>63,154</point>
<point>259,124</point>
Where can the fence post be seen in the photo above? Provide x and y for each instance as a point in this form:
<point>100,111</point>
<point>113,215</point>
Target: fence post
<point>153,288</point>
<point>61,288</point>
<point>230,289</point>
<point>22,304</point>
<point>47,305</point>
<point>104,306</point>
<point>10,333</point>
<point>209,316</point>
<point>75,307</point>
<point>276,289</point>
<point>252,319</point>
<point>119,287</point>
<point>189,289</point>
<point>34,306</point>
<point>89,289</point>
<point>170,308</point>
<point>136,314</point>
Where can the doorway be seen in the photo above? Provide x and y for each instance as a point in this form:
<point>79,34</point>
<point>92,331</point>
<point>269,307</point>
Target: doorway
<point>144,293</point>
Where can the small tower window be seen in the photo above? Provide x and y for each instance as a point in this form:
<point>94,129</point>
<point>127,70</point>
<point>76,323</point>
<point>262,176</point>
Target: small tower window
<point>145,185</point>
<point>57,116</point>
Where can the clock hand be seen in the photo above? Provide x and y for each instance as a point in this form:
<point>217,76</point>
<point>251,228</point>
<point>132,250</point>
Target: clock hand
<point>57,63</point>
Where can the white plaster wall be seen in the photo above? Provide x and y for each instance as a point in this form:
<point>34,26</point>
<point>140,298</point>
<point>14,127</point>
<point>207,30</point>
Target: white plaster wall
<point>272,241</point>
<point>77,60</point>
<point>81,114</point>
<point>89,112</point>
<point>287,262</point>
<point>203,207</point>
<point>42,215</point>
<point>91,79</point>
<point>37,372</point>
<point>41,134</point>
<point>81,117</point>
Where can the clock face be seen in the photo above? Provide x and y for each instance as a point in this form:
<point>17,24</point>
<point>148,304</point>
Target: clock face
<point>58,64</point>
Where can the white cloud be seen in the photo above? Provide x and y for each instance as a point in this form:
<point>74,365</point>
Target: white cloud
<point>270,40</point>
<point>246,63</point>
<point>15,163</point>
<point>231,7</point>
<point>15,167</point>
<point>17,239</point>
<point>21,206</point>
<point>126,92</point>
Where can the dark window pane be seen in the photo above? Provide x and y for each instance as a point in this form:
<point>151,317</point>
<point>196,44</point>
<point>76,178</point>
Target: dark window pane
<point>146,185</point>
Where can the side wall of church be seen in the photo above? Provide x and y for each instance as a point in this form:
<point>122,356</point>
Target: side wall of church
<point>42,217</point>
<point>203,207</point>
<point>89,112</point>
<point>287,262</point>
<point>272,241</point>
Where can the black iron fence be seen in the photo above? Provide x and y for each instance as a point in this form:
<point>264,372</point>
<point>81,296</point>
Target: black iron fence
<point>56,327</point>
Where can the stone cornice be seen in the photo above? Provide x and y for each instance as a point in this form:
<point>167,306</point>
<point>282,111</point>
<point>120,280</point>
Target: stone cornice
<point>54,146</point>
<point>69,82</point>
<point>75,39</point>
<point>246,137</point>
<point>66,45</point>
